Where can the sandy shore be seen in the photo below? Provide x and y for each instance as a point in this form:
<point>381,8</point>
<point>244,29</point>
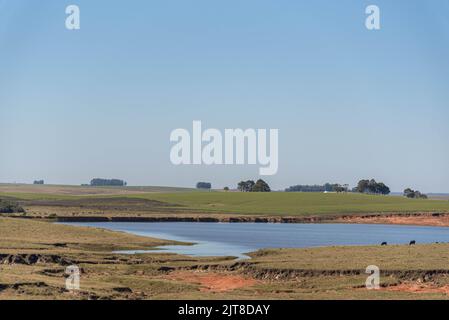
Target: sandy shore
<point>421,219</point>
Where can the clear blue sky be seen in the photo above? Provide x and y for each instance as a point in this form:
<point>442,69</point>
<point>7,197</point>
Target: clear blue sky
<point>102,101</point>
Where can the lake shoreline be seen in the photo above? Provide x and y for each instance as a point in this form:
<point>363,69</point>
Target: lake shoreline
<point>238,239</point>
<point>407,218</point>
<point>41,251</point>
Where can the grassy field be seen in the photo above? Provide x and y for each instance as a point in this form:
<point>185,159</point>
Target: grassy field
<point>141,201</point>
<point>406,258</point>
<point>61,190</point>
<point>283,203</point>
<point>34,255</point>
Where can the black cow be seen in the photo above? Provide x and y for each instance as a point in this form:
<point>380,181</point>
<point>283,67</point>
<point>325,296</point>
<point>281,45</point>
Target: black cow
<point>412,242</point>
<point>383,244</point>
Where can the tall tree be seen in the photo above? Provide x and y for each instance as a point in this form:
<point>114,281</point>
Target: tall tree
<point>362,186</point>
<point>261,186</point>
<point>241,186</point>
<point>371,186</point>
<point>249,185</point>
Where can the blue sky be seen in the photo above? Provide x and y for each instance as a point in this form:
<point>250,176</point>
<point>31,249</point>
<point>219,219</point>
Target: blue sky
<point>349,103</point>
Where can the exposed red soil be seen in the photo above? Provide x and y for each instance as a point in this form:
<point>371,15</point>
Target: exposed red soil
<point>215,282</point>
<point>418,288</point>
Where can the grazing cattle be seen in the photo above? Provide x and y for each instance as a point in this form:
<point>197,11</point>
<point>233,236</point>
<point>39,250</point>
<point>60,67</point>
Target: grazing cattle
<point>383,244</point>
<point>412,242</point>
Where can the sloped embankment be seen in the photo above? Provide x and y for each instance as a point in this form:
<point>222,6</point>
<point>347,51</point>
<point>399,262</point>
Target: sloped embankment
<point>262,273</point>
<point>31,259</point>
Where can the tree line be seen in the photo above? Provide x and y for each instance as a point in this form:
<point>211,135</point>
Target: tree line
<point>251,186</point>
<point>204,185</point>
<point>107,182</point>
<point>414,194</point>
<point>363,186</point>
<point>327,187</point>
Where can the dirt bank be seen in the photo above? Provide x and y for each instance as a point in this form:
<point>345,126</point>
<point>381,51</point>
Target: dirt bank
<point>423,219</point>
<point>418,288</point>
<point>212,281</point>
<point>420,219</point>
<point>417,218</point>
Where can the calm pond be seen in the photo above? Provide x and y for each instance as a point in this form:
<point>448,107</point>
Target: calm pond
<point>236,239</point>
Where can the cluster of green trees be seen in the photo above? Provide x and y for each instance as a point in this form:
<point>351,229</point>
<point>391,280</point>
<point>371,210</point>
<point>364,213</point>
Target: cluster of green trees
<point>364,186</point>
<point>371,186</point>
<point>327,187</point>
<point>251,186</point>
<point>414,194</point>
<point>204,185</point>
<point>107,182</point>
<point>246,186</point>
<point>10,207</point>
